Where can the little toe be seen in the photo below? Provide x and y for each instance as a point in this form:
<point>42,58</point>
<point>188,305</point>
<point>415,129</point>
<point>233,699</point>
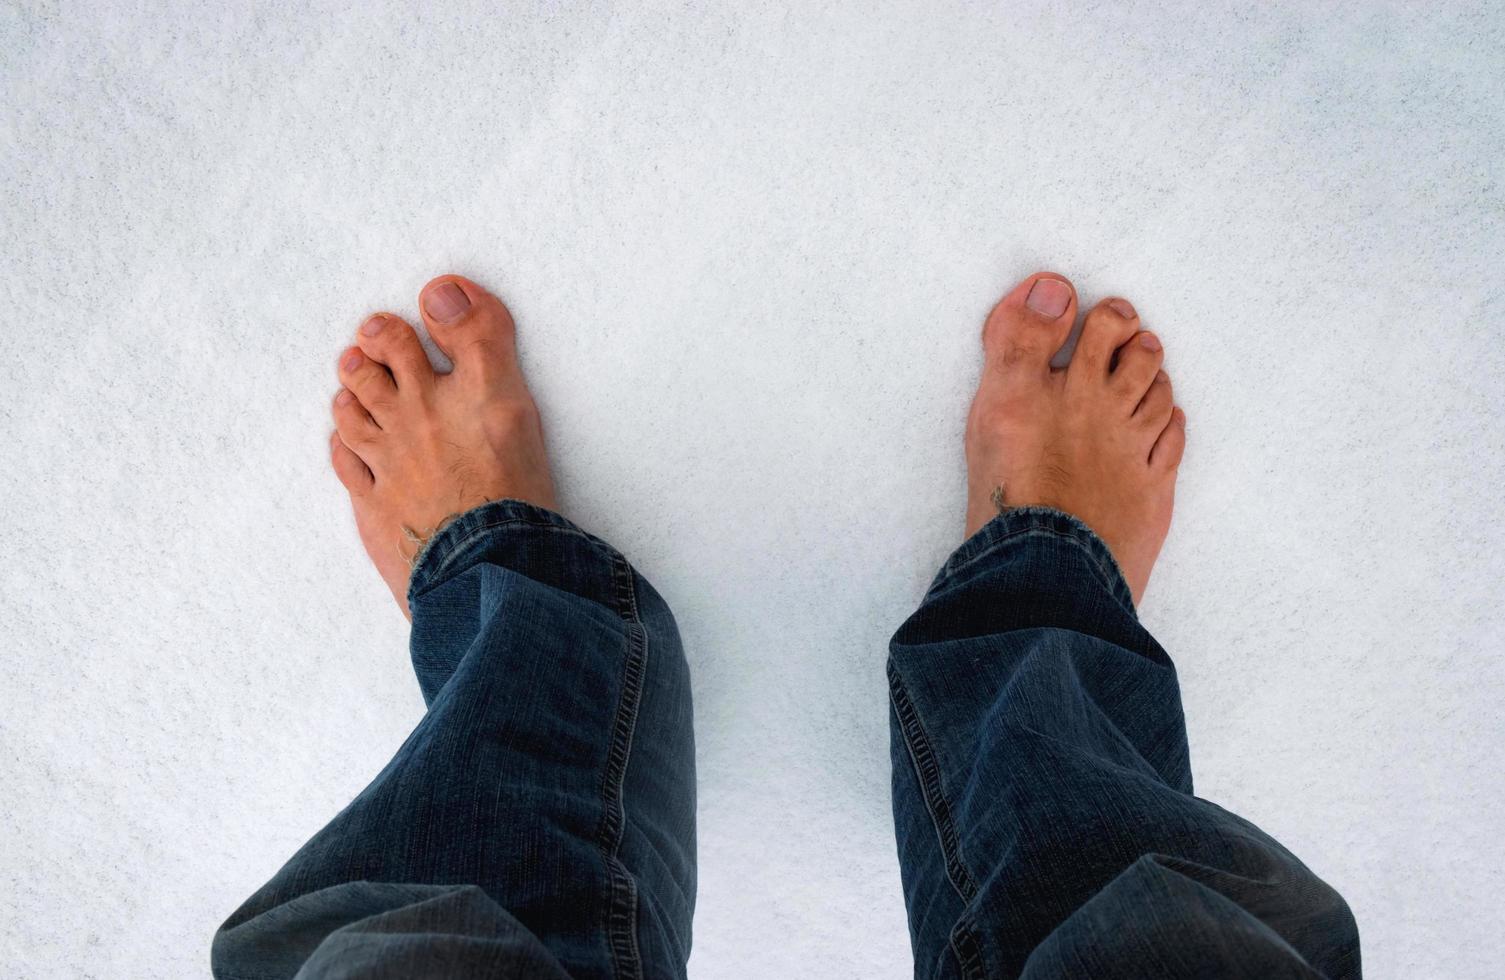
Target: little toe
<point>1154,409</point>
<point>1171,444</point>
<point>1105,329</point>
<point>1030,324</point>
<point>354,424</point>
<point>353,474</point>
<point>472,327</point>
<point>370,381</point>
<point>1136,364</point>
<point>390,342</point>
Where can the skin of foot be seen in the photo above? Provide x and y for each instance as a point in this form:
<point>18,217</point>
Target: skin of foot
<point>1100,439</point>
<point>414,447</point>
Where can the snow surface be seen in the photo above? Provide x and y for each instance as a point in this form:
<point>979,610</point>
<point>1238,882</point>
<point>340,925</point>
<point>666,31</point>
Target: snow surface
<point>749,247</point>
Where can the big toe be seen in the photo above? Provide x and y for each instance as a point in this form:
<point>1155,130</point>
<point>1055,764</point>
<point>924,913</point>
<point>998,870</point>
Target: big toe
<point>471,326</point>
<point>1030,324</point>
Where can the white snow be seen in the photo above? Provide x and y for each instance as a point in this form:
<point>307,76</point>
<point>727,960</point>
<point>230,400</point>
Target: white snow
<point>749,247</point>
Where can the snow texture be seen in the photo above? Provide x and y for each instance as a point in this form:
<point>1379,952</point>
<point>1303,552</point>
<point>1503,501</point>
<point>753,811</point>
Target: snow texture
<point>749,247</point>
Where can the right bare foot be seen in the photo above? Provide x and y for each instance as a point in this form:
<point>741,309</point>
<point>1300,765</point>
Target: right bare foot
<point>1100,439</point>
<point>415,447</point>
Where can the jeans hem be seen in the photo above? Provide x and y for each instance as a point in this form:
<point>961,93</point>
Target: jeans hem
<point>450,541</point>
<point>1016,523</point>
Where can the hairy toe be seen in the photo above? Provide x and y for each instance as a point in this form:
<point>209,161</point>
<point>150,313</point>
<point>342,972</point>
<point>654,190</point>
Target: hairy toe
<point>352,472</point>
<point>1154,409</point>
<point>354,424</point>
<point>1137,362</point>
<point>1105,329</point>
<point>1030,324</point>
<point>472,327</point>
<point>391,342</point>
<point>370,381</point>
<point>1172,442</point>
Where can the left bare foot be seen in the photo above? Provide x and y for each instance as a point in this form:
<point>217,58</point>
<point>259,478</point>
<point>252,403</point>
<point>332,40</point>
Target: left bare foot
<point>415,447</point>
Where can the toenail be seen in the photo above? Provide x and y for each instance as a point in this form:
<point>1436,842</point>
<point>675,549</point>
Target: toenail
<point>1148,341</point>
<point>373,326</point>
<point>343,398</point>
<point>1049,297</point>
<point>1123,308</point>
<point>446,301</point>
<point>352,360</point>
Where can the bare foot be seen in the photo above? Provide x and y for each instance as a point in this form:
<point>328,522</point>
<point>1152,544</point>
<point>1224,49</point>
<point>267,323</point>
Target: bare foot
<point>414,447</point>
<point>1100,439</point>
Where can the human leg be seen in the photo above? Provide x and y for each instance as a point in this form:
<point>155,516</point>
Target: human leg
<point>540,820</point>
<point>1042,786</point>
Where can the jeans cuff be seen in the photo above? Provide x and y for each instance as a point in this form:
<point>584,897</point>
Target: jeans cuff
<point>461,534</point>
<point>1017,526</point>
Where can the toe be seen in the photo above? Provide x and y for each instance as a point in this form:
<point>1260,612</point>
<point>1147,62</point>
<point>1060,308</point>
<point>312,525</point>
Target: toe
<point>354,425</point>
<point>348,466</point>
<point>1154,409</point>
<point>1106,327</point>
<point>390,342</point>
<point>1171,444</point>
<point>370,381</point>
<point>1136,365</point>
<point>471,326</point>
<point>1030,324</point>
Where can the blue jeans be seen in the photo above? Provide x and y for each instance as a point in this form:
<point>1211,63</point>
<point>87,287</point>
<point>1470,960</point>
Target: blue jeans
<point>540,820</point>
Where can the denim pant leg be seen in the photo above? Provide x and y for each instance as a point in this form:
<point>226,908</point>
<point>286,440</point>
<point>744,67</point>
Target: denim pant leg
<point>540,820</point>
<point>1042,787</point>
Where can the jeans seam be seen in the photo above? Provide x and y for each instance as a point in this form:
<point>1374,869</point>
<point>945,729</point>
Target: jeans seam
<point>966,949</point>
<point>962,939</point>
<point>621,912</point>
